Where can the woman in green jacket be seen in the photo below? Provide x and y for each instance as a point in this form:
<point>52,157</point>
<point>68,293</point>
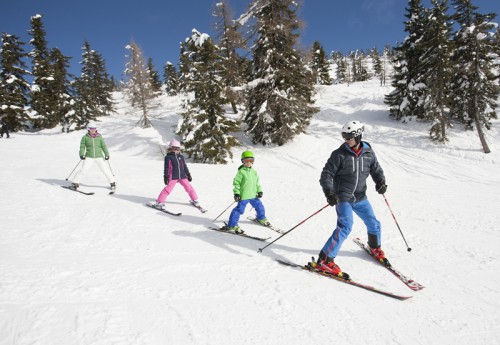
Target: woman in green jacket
<point>246,189</point>
<point>93,150</point>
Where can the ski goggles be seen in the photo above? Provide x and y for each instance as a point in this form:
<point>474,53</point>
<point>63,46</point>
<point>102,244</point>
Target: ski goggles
<point>177,149</point>
<point>247,160</point>
<point>350,135</point>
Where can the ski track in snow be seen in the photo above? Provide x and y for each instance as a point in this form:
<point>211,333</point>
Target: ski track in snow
<point>101,269</point>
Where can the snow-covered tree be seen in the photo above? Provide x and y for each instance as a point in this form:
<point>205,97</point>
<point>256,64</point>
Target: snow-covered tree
<point>319,65</point>
<point>385,61</point>
<point>204,128</point>
<point>93,90</point>
<point>41,88</point>
<point>437,70</point>
<point>171,78</point>
<point>138,83</point>
<point>342,71</point>
<point>229,41</point>
<point>60,87</point>
<point>475,83</point>
<point>14,88</point>
<point>406,99</point>
<point>281,87</point>
<point>154,78</point>
<point>376,61</point>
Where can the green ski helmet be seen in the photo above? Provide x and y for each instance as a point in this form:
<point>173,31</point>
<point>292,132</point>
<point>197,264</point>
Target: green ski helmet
<point>247,154</point>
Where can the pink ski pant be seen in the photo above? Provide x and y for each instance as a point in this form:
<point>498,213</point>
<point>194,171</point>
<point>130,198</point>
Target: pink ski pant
<point>170,186</point>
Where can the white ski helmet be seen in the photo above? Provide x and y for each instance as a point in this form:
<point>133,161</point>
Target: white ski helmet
<point>353,129</point>
<point>91,125</point>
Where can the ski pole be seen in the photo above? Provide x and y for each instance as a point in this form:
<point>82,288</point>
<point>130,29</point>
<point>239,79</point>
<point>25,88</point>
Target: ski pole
<point>73,170</point>
<point>109,165</point>
<point>312,215</point>
<point>224,211</point>
<point>408,248</point>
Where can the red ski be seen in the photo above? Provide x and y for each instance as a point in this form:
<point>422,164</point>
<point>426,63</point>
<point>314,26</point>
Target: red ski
<point>407,281</point>
<point>349,281</point>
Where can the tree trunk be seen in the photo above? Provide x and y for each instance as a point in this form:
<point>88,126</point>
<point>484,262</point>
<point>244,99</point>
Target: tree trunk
<point>233,105</point>
<point>480,133</point>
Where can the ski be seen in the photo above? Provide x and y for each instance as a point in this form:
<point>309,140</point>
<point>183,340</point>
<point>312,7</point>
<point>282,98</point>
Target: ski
<point>202,210</point>
<point>347,281</point>
<point>164,211</point>
<point>77,190</point>
<point>407,281</point>
<point>253,219</point>
<point>222,229</point>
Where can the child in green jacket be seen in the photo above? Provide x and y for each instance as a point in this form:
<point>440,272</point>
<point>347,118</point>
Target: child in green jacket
<point>246,190</point>
<point>93,150</point>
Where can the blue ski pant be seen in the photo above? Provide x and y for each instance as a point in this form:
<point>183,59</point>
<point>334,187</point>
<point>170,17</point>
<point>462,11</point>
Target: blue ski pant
<point>240,209</point>
<point>345,221</point>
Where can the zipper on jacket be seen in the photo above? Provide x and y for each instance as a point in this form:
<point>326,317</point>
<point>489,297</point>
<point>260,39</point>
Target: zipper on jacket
<point>356,169</point>
<point>178,166</point>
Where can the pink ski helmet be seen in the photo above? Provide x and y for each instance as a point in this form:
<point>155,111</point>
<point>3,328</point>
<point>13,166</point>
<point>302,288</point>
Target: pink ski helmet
<point>174,143</point>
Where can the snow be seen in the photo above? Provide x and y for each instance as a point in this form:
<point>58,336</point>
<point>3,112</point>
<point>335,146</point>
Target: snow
<point>103,269</point>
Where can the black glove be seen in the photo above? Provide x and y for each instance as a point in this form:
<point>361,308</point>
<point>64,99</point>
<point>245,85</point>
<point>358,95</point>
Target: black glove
<point>165,179</point>
<point>381,187</point>
<point>189,178</point>
<point>332,199</point>
<point>106,158</point>
<point>82,157</point>
<point>259,195</point>
<point>237,197</point>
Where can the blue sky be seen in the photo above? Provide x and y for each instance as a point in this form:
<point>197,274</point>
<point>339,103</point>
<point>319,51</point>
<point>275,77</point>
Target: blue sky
<point>158,26</point>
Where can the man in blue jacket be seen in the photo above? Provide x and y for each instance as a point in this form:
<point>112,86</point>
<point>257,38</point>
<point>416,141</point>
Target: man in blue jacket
<point>343,180</point>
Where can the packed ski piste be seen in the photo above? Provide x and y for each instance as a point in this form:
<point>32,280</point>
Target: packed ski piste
<point>336,230</point>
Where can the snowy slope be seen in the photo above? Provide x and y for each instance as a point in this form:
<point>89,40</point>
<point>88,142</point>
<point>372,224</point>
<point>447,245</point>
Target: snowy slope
<point>102,269</point>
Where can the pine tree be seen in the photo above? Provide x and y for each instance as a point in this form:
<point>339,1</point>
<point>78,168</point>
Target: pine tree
<point>154,78</point>
<point>229,41</point>
<point>436,63</point>
<point>376,61</point>
<point>280,92</point>
<point>362,68</point>
<point>475,84</point>
<point>353,67</point>
<point>171,78</point>
<point>92,90</point>
<point>14,88</point>
<point>406,99</point>
<point>342,71</point>
<point>320,65</point>
<point>60,88</point>
<point>41,97</point>
<point>138,83</point>
<point>203,127</point>
<point>385,63</point>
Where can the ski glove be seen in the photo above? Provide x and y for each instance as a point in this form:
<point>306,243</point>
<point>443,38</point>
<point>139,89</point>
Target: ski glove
<point>189,178</point>
<point>237,197</point>
<point>381,187</point>
<point>82,157</point>
<point>106,158</point>
<point>259,195</point>
<point>332,199</point>
<point>165,179</point>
